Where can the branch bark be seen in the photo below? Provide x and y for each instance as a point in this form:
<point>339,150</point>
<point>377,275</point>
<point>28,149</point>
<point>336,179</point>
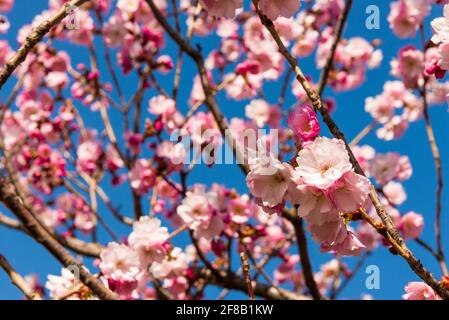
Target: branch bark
<point>35,37</point>
<point>14,203</point>
<point>305,261</point>
<point>18,280</point>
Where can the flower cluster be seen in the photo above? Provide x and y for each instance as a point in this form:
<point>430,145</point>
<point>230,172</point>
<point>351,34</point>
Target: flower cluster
<point>272,9</point>
<point>322,183</point>
<point>441,38</point>
<point>128,267</point>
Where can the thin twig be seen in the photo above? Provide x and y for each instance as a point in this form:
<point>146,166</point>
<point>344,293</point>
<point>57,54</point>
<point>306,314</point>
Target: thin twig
<point>18,280</point>
<point>246,272</point>
<point>36,35</point>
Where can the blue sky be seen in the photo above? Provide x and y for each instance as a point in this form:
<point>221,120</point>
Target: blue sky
<point>29,257</point>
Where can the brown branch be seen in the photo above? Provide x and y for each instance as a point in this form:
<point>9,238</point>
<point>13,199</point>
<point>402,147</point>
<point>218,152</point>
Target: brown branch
<point>18,280</point>
<point>330,59</point>
<point>437,161</point>
<point>427,247</point>
<point>87,249</point>
<point>439,170</point>
<point>233,282</point>
<point>246,272</point>
<point>38,232</point>
<point>305,260</point>
<point>35,37</point>
<point>392,233</point>
<point>362,134</point>
<point>11,223</point>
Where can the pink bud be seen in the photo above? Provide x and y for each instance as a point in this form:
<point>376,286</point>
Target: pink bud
<point>304,122</point>
<point>218,247</point>
<point>158,125</point>
<point>93,75</point>
<point>251,67</point>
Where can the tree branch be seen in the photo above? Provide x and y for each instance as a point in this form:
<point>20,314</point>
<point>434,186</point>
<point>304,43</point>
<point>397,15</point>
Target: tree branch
<point>35,37</point>
<point>35,229</point>
<point>330,59</point>
<point>18,280</point>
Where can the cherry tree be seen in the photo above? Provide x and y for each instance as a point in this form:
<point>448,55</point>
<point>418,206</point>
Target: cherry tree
<point>87,146</point>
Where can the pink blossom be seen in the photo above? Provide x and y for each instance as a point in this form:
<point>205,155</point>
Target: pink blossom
<point>269,181</point>
<point>419,291</point>
<point>227,28</point>
<point>258,111</point>
<point>5,51</point>
<point>410,65</point>
<point>60,286</point>
<point>363,155</point>
<point>440,27</point>
<point>113,158</point>
<point>404,169</point>
<point>394,192</point>
<point>350,192</point>
<point>305,45</point>
<point>323,162</point>
<point>4,24</point>
<point>197,213</point>
<point>275,8</point>
<point>368,236</point>
<point>406,16</point>
<point>304,122</point>
<point>240,88</point>
<point>287,271</point>
<point>411,225</point>
<point>174,264</point>
<point>161,105</point>
<point>164,64</point>
<point>75,207</point>
<point>443,51</point>
<point>240,209</point>
<point>315,204</point>
<point>349,246</point>
<point>133,142</point>
<point>147,239</point>
<point>390,166</point>
<point>6,5</point>
<point>128,6</point>
<point>142,176</point>
<point>114,31</point>
<point>88,154</point>
<point>393,129</point>
<point>333,236</point>
<point>120,266</point>
<point>230,50</point>
<point>222,8</point>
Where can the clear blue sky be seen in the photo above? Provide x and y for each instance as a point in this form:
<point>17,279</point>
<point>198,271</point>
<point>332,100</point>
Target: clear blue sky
<point>29,257</point>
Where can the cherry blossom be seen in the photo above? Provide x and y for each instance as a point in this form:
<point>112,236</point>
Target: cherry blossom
<point>304,123</point>
<point>323,162</point>
<point>276,8</point>
<point>411,225</point>
<point>148,239</point>
<point>419,291</point>
<point>225,8</point>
